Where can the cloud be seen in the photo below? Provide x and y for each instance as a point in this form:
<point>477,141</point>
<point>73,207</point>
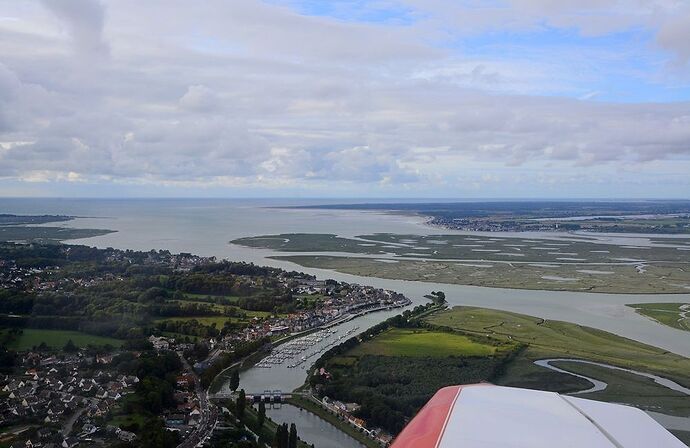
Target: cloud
<point>84,20</point>
<point>199,98</point>
<point>256,94</point>
<point>674,35</point>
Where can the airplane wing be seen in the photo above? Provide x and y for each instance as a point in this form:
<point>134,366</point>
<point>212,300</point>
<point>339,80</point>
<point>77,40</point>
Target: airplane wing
<point>488,416</point>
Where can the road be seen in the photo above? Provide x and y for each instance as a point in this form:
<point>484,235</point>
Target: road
<point>209,412</point>
<point>67,428</point>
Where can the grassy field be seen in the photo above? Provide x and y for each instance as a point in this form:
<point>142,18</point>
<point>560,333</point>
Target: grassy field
<point>219,321</point>
<point>676,315</point>
<point>555,339</point>
<point>421,343</point>
<point>31,337</point>
<point>193,296</point>
<point>174,335</point>
<point>217,307</point>
<point>128,420</point>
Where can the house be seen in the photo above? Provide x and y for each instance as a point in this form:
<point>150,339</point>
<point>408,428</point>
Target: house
<point>70,442</point>
<point>352,407</point>
<point>159,343</point>
<point>194,417</point>
<point>175,420</point>
<point>44,433</point>
<point>185,380</point>
<point>104,359</point>
<point>279,329</point>
<point>126,436</point>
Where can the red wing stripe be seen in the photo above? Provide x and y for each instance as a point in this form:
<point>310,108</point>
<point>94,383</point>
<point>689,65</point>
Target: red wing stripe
<point>426,428</point>
<point>445,423</point>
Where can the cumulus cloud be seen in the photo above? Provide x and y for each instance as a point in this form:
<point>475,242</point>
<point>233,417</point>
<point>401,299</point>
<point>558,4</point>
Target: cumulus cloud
<point>199,98</point>
<point>252,93</point>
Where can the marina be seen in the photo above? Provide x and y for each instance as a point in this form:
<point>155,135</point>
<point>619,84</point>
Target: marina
<point>298,351</point>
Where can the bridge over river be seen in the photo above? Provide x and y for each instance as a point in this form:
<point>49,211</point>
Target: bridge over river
<point>272,396</point>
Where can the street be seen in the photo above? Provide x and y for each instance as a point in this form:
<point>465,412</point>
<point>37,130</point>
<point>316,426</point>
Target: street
<point>209,412</point>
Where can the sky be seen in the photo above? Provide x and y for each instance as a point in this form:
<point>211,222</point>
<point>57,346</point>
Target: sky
<point>345,98</point>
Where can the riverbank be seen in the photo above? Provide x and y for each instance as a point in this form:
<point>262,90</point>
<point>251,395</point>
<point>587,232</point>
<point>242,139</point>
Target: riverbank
<point>253,359</point>
<point>312,405</point>
<point>675,315</point>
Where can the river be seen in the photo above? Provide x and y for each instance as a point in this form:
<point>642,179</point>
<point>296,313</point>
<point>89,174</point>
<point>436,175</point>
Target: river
<point>205,227</point>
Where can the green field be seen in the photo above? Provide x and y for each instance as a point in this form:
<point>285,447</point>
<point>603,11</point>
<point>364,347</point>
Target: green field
<point>222,308</point>
<point>555,339</point>
<point>193,296</point>
<point>31,337</point>
<point>218,321</point>
<point>128,420</point>
<point>421,343</point>
<point>676,315</point>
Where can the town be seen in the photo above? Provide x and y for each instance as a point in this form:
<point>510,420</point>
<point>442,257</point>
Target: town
<point>196,316</point>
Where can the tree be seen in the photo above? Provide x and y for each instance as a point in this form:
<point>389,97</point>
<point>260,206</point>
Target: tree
<point>438,297</point>
<point>262,414</point>
<point>240,404</point>
<point>284,436</point>
<point>70,347</point>
<point>277,438</point>
<point>281,439</point>
<point>234,380</point>
<point>292,441</point>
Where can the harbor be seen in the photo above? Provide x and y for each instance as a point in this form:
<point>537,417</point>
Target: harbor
<point>298,351</point>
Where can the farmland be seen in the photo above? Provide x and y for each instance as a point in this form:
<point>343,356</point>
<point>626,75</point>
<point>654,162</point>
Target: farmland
<point>31,337</point>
